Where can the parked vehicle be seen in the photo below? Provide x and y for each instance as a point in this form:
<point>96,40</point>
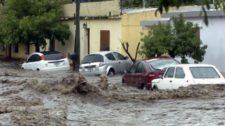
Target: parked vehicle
<point>46,61</point>
<point>142,73</point>
<point>106,62</point>
<point>188,74</point>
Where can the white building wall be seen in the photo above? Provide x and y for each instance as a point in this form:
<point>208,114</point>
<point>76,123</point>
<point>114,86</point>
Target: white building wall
<point>213,35</point>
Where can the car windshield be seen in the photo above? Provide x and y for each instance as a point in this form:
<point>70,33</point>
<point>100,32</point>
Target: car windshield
<point>204,72</point>
<point>53,55</point>
<point>92,58</point>
<point>162,63</point>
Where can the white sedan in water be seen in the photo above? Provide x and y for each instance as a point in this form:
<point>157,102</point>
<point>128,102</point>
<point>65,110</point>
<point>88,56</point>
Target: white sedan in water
<point>188,74</point>
<point>47,61</point>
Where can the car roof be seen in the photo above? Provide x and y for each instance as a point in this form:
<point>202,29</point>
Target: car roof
<point>102,52</point>
<point>46,52</point>
<point>154,59</point>
<point>192,65</point>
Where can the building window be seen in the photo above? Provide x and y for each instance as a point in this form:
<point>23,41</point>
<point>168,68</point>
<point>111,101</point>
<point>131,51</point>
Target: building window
<point>104,40</point>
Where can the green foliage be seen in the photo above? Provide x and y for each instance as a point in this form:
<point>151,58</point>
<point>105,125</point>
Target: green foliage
<point>154,42</point>
<point>32,21</point>
<point>181,39</point>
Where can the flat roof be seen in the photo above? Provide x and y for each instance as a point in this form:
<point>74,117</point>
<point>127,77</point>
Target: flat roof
<point>188,13</point>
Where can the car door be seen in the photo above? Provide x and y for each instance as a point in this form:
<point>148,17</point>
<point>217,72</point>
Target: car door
<point>129,76</point>
<point>139,76</point>
<point>122,61</point>
<point>33,62</point>
<point>112,61</point>
<point>179,79</point>
<point>166,82</point>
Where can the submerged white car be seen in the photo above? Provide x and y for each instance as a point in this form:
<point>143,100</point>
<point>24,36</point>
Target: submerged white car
<point>188,74</point>
<point>46,61</point>
<point>105,62</point>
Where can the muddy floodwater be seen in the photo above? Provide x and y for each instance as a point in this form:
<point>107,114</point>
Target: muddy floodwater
<point>69,99</point>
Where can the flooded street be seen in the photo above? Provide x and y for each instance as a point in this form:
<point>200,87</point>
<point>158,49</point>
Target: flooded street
<point>203,112</point>
<point>67,99</point>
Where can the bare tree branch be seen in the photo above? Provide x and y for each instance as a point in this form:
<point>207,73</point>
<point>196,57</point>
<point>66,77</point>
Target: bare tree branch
<point>137,51</point>
<point>125,46</point>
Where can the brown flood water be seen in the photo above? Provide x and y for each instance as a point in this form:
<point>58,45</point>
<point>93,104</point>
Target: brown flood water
<point>37,98</point>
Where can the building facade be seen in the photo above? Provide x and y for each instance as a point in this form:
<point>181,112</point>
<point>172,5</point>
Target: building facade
<point>211,35</point>
<point>103,26</point>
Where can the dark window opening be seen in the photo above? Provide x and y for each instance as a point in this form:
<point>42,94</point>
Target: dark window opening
<point>34,58</point>
<point>140,68</point>
<point>16,48</point>
<point>27,48</point>
<point>110,56</point>
<point>104,40</point>
<point>53,55</point>
<point>170,72</point>
<point>119,56</point>
<point>93,58</point>
<point>204,72</point>
<point>179,73</point>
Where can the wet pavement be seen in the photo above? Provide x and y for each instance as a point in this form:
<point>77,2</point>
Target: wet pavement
<point>37,98</point>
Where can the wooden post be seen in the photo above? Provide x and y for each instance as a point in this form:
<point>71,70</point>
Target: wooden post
<point>77,37</point>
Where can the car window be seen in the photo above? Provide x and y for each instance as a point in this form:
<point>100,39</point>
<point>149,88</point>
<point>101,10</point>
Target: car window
<point>169,72</point>
<point>93,58</point>
<point>133,68</point>
<point>140,68</point>
<point>34,58</point>
<point>119,56</point>
<point>179,73</point>
<point>54,56</point>
<point>162,63</point>
<point>110,56</point>
<point>204,72</point>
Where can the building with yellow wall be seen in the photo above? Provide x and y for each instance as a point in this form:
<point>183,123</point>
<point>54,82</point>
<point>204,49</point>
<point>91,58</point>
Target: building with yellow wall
<point>132,32</point>
<point>105,20</point>
<point>103,26</point>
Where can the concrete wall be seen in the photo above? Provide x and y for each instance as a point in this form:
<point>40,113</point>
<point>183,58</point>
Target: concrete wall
<point>21,54</point>
<point>131,29</point>
<point>213,35</point>
<point>95,27</point>
<point>94,8</point>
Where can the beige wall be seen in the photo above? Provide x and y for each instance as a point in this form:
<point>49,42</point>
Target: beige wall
<point>94,8</point>
<point>19,55</point>
<point>95,27</point>
<point>131,29</point>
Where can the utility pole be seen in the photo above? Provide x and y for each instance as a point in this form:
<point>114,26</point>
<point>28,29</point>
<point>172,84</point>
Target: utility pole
<point>143,3</point>
<point>76,61</point>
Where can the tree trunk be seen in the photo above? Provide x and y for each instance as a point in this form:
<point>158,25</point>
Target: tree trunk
<point>9,52</point>
<point>37,47</point>
<point>52,45</point>
<point>172,54</point>
<point>28,48</point>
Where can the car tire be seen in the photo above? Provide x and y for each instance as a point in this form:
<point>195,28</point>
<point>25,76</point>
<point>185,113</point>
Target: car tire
<point>148,87</point>
<point>155,88</point>
<point>111,72</point>
<point>38,69</point>
<point>123,81</point>
<point>141,86</point>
